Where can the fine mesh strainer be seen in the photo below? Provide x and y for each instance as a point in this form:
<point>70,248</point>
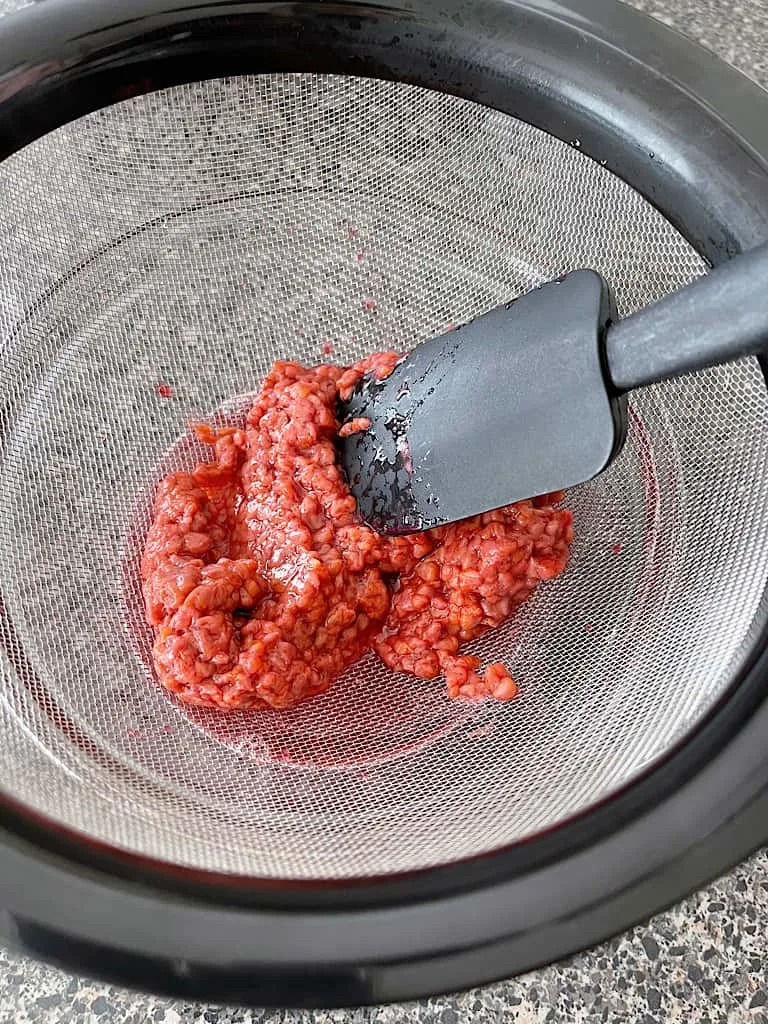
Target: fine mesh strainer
<point>158,255</point>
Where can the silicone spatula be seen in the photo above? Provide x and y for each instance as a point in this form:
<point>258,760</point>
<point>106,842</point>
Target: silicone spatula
<point>531,397</point>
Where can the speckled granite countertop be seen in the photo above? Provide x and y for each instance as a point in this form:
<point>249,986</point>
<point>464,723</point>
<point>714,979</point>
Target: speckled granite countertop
<point>705,961</point>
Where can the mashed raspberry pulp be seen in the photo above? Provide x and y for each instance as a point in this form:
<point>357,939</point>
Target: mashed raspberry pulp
<point>262,585</point>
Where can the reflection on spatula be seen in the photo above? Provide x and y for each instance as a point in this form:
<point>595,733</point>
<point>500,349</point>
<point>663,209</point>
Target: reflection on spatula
<point>529,398</point>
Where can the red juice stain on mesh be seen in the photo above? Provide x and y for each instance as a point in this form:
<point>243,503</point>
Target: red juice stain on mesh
<point>164,390</point>
<point>327,348</point>
<point>366,718</point>
<point>262,586</point>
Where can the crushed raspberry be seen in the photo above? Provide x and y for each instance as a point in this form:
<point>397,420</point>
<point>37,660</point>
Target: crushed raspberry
<point>355,426</point>
<point>262,585</point>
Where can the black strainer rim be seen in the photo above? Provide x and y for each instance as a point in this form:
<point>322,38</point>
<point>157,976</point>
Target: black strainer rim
<point>696,145</point>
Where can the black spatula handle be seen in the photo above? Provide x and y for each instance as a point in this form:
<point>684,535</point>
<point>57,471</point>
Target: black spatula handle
<point>718,318</point>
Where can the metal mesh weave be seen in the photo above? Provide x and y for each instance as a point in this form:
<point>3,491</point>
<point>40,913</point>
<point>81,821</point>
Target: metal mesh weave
<point>189,238</point>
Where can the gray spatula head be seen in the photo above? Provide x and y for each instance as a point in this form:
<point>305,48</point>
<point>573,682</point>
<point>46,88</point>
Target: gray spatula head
<point>512,405</point>
<point>527,399</point>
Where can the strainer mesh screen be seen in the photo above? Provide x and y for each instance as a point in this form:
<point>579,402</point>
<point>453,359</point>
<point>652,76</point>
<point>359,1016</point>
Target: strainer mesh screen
<point>189,238</point>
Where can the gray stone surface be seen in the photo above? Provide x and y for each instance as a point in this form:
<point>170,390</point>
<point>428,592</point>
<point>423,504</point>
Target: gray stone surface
<point>705,961</point>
